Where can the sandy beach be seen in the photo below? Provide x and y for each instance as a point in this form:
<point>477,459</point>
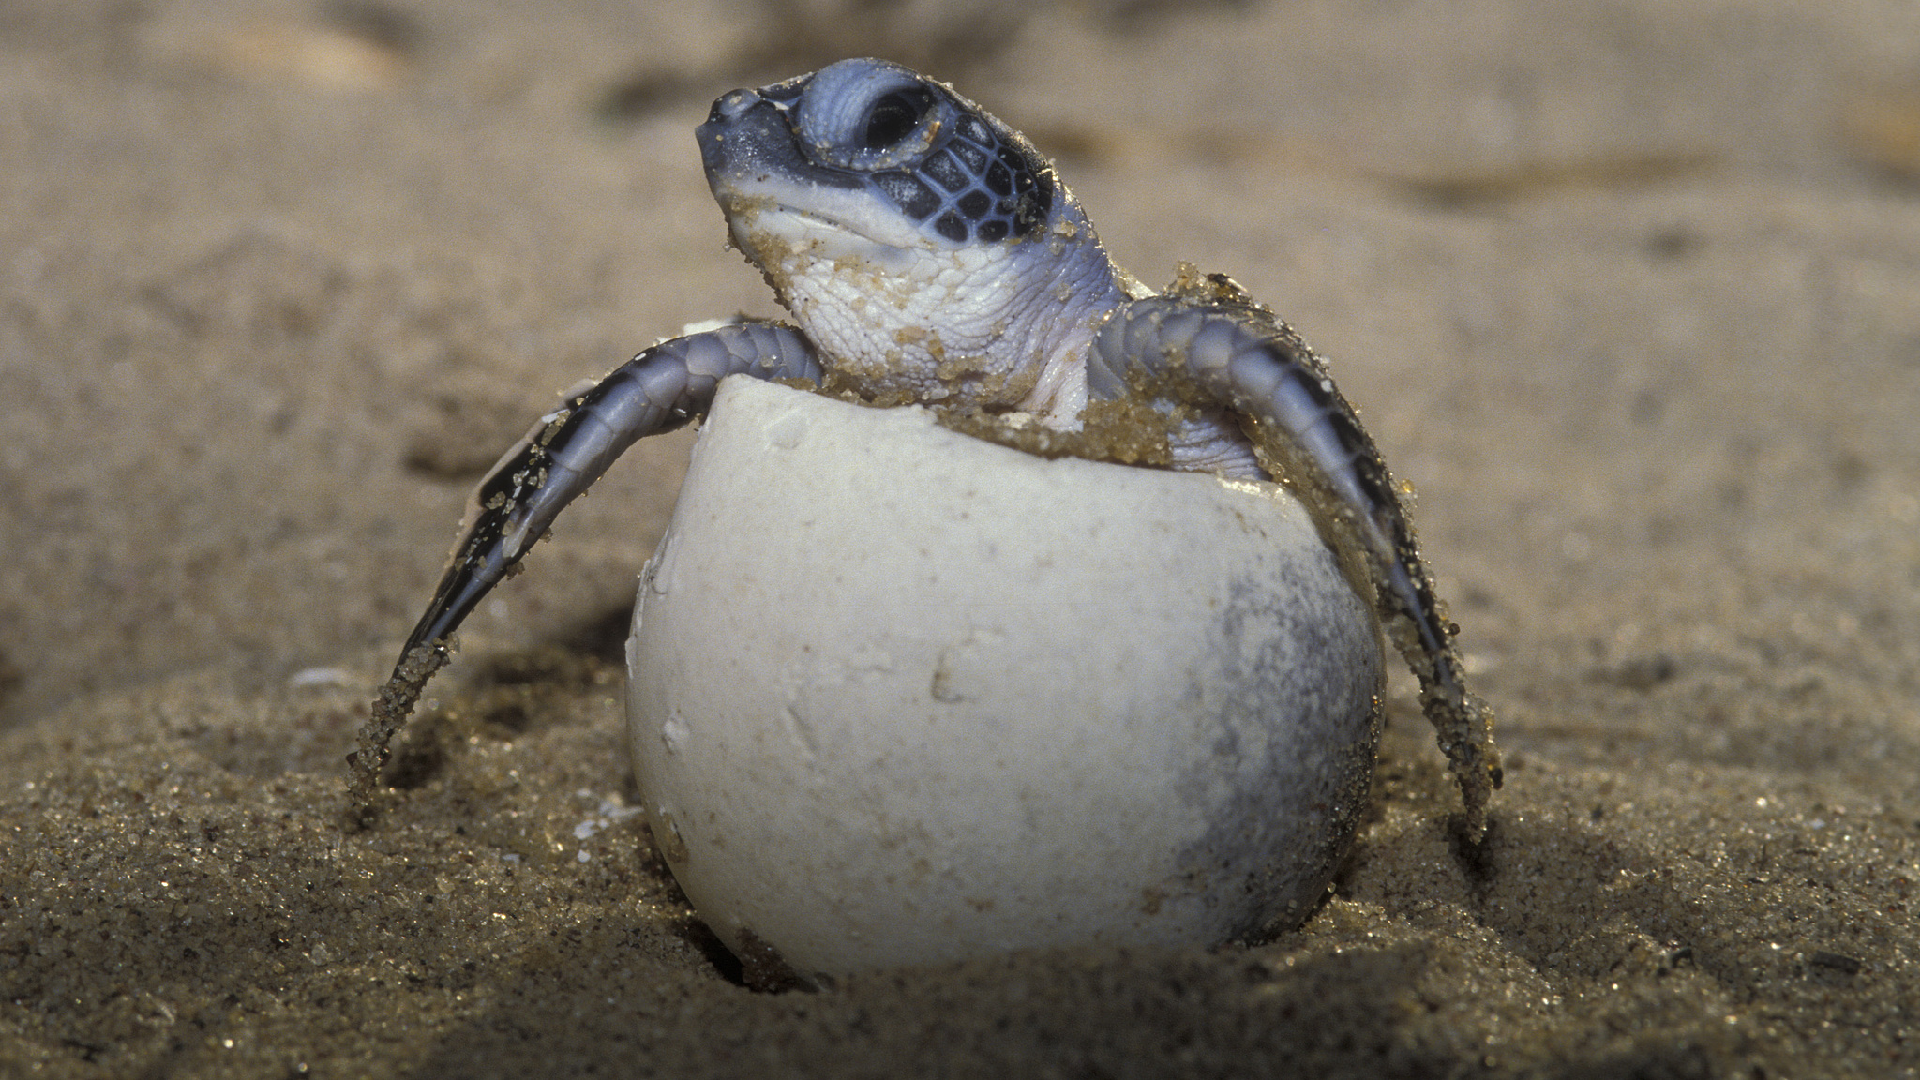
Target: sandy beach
<point>1629,290</point>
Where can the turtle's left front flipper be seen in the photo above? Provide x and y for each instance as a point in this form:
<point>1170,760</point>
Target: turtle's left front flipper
<point>567,450</point>
<point>1204,342</point>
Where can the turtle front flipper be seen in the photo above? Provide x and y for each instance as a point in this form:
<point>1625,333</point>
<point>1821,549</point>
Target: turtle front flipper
<point>565,452</point>
<point>1204,343</point>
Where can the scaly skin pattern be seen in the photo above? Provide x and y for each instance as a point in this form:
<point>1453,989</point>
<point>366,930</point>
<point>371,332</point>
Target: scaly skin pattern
<point>929,255</point>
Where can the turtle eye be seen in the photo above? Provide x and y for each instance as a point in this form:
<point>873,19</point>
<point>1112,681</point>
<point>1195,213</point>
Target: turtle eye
<point>895,115</point>
<point>868,116</point>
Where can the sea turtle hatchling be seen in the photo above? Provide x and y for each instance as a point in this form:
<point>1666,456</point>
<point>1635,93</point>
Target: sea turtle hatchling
<point>929,255</point>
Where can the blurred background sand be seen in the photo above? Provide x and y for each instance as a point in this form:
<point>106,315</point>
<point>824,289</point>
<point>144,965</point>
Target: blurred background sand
<point>1630,290</point>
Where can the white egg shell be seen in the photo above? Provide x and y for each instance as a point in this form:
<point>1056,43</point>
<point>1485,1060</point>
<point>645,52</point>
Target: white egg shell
<point>901,696</point>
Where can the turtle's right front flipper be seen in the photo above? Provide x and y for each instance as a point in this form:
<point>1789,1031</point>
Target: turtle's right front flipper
<point>658,390</point>
<point>568,449</point>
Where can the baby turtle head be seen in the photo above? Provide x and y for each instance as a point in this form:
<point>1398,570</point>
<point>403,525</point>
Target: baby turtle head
<point>947,171</point>
<point>926,248</point>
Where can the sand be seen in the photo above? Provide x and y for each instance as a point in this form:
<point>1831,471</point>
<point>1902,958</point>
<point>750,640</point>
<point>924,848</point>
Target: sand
<point>1630,290</point>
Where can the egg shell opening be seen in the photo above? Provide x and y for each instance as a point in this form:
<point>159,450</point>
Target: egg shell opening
<point>900,696</point>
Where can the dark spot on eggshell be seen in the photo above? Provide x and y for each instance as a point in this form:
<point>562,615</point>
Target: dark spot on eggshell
<point>762,968</point>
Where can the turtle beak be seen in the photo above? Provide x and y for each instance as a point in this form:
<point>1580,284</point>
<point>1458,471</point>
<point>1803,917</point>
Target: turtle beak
<point>716,148</point>
<point>749,138</point>
<point>746,133</point>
